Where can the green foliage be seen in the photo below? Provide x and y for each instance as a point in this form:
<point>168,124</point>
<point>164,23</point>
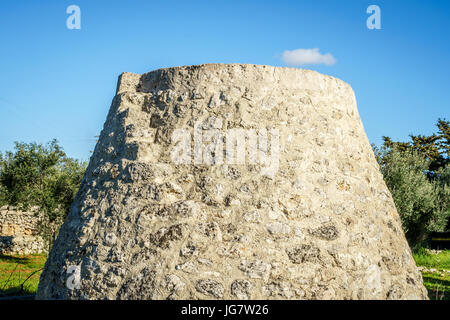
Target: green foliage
<point>417,198</point>
<point>40,175</point>
<point>434,148</point>
<point>442,182</point>
<point>440,260</point>
<point>418,175</point>
<point>436,281</point>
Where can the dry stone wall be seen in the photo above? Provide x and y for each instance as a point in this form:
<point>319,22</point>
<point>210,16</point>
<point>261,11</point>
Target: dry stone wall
<point>228,181</point>
<point>19,233</point>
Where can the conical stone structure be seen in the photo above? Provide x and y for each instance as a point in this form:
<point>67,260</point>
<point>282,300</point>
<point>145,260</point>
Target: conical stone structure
<point>229,181</point>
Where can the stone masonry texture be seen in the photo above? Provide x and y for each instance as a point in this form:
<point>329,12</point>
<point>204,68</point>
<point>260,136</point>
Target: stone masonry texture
<point>170,209</point>
<point>19,231</point>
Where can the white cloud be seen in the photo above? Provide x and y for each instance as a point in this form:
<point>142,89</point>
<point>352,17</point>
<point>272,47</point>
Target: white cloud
<point>301,57</point>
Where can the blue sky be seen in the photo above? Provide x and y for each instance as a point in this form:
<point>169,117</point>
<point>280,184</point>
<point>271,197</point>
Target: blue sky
<point>59,83</point>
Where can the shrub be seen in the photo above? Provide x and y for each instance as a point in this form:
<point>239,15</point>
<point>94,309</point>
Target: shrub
<point>421,202</point>
<point>40,175</point>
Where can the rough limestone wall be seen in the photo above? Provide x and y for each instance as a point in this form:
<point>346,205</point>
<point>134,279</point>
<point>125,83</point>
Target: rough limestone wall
<point>309,217</point>
<point>19,232</point>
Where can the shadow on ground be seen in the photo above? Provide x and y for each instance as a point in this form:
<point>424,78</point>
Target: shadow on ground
<point>438,288</point>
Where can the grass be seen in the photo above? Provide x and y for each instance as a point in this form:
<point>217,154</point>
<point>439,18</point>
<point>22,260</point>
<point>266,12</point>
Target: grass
<point>438,286</point>
<point>429,260</point>
<point>437,282</point>
<point>19,274</point>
